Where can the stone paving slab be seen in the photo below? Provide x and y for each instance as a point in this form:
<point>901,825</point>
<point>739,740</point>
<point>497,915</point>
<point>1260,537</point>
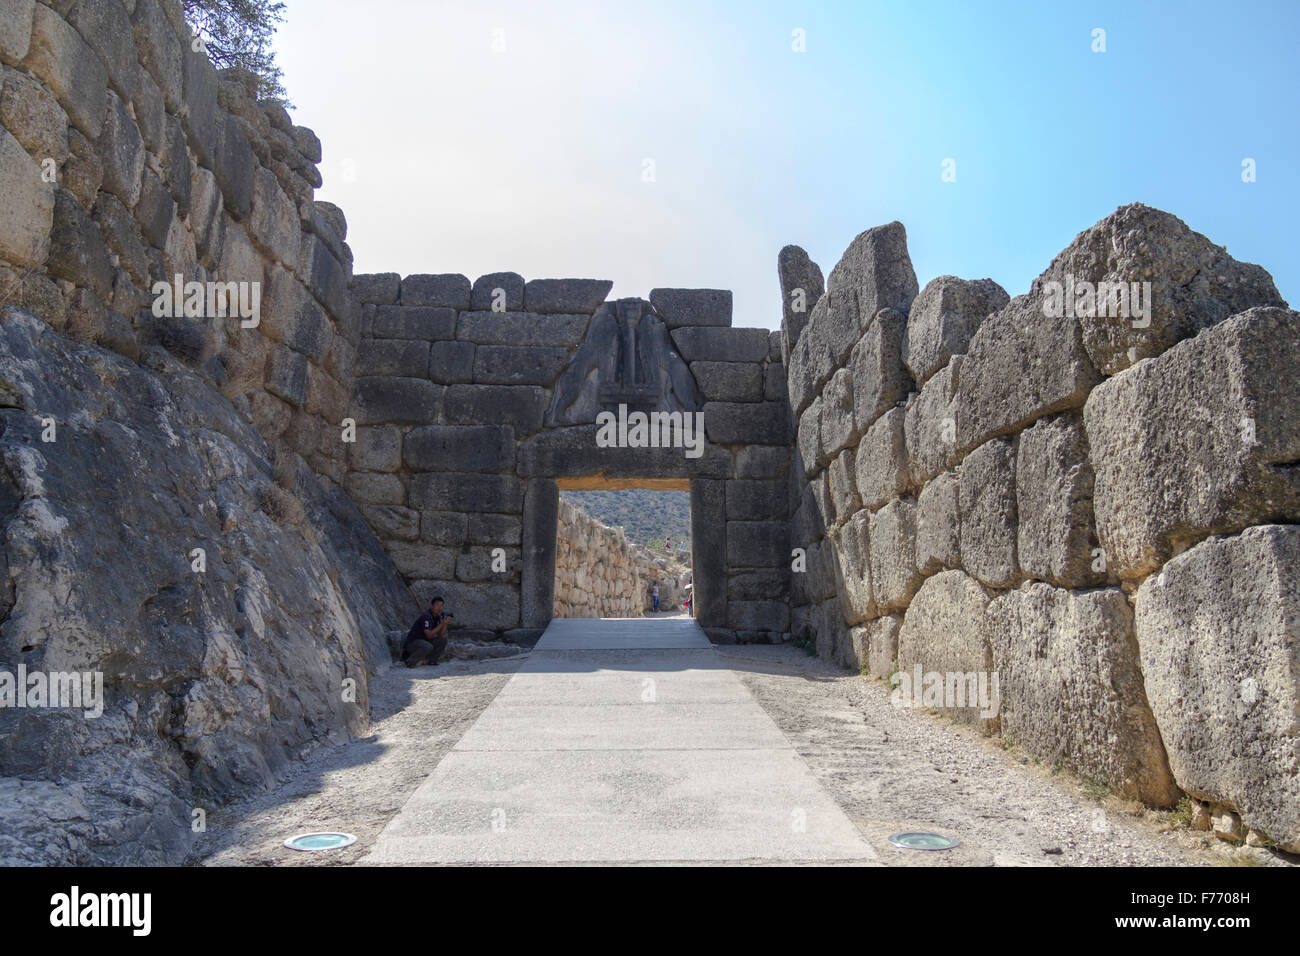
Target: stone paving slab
<point>572,763</point>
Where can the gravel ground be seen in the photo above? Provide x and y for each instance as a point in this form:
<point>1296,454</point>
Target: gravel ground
<point>890,768</point>
<point>418,715</point>
<point>894,769</point>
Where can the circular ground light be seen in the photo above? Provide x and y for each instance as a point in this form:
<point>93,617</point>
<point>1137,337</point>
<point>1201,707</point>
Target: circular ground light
<point>314,842</point>
<point>921,840</point>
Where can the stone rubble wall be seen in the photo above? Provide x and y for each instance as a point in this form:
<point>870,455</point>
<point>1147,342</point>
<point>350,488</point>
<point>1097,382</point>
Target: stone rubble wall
<point>599,572</point>
<point>1101,510</point>
<point>596,569</point>
<point>451,401</point>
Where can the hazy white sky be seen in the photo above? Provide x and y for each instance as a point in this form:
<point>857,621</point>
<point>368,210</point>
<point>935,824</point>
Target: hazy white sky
<point>448,156</point>
<point>595,144</point>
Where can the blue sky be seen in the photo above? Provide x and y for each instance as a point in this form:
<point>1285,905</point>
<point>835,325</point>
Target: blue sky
<point>450,156</point>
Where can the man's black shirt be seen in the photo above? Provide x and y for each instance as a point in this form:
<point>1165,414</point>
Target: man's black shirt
<point>427,621</point>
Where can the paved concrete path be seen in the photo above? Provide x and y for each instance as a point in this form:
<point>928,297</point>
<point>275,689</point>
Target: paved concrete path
<point>621,741</point>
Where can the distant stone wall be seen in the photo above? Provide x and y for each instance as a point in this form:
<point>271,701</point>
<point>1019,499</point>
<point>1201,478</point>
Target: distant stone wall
<point>1080,503</point>
<point>596,569</point>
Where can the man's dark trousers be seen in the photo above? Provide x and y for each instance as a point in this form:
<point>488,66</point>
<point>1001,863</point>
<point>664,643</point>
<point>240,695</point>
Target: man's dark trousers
<point>421,651</point>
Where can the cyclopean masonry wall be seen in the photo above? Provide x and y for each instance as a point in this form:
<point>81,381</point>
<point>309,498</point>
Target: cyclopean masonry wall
<point>1101,510</point>
<point>170,513</point>
<point>476,402</point>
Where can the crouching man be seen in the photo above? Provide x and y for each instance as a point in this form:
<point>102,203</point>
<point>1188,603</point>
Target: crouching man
<point>427,638</point>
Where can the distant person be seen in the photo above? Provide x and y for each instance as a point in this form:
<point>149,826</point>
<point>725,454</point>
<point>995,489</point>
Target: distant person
<point>654,597</point>
<point>668,544</point>
<point>427,638</point>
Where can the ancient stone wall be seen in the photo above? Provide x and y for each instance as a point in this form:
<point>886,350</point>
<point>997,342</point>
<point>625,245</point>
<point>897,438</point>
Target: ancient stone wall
<point>1100,508</point>
<point>128,160</point>
<point>596,569</point>
<point>600,573</point>
<point>473,399</point>
<point>171,507</point>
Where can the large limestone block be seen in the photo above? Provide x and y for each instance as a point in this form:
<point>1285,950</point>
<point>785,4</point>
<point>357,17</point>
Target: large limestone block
<point>61,59</point>
<point>757,544</point>
<point>517,364</point>
<point>105,26</point>
<point>729,381</point>
<point>15,30</point>
<point>393,357</point>
<point>431,323</point>
<point>938,524</point>
<point>756,500</point>
<point>810,363</point>
<point>1193,285</point>
<point>489,448</point>
<point>519,406</point>
<point>498,292</point>
<point>881,459</point>
<point>522,328</point>
<point>679,307</point>
<point>745,423</point>
<point>808,438</point>
<point>1056,536</point>
<point>801,286</point>
<point>1021,366</point>
<point>881,640</point>
<point>159,51</point>
<point>565,295</point>
<point>1200,440</point>
<point>943,634</point>
<point>1220,645</point>
<point>874,273</point>
<point>274,220</point>
<point>879,379</point>
<point>384,400</point>
<point>842,480</point>
<point>1071,688</point>
<point>837,425</point>
<point>454,491</point>
<point>853,568</point>
<point>447,290</point>
<point>27,213</point>
<point>930,424</point>
<point>714,344</point>
<point>943,318</point>
<point>33,117</point>
<point>478,605</point>
<point>77,251</point>
<point>987,503</point>
<point>894,576</point>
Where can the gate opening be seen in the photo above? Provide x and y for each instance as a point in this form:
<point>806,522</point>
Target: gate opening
<point>618,548</point>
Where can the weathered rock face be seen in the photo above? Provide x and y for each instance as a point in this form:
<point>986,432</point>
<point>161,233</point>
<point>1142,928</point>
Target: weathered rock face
<point>1071,687</point>
<point>1030,456</point>
<point>943,318</point>
<point>943,633</point>
<point>214,679</point>
<point>1220,644</point>
<point>1201,440</point>
<point>1194,284</point>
